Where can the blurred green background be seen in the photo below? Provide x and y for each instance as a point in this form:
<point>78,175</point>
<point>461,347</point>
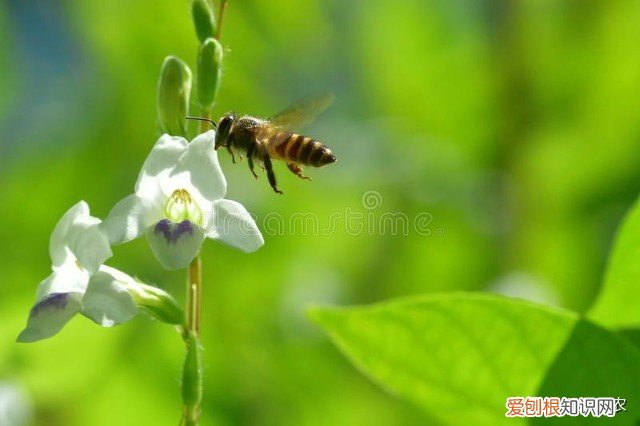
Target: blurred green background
<point>514,125</point>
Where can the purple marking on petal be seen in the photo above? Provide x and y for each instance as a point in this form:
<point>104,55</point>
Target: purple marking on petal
<point>54,300</point>
<point>163,226</point>
<point>172,231</point>
<point>184,227</point>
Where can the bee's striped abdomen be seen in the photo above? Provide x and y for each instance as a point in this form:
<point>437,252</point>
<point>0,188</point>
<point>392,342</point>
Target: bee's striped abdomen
<point>302,149</point>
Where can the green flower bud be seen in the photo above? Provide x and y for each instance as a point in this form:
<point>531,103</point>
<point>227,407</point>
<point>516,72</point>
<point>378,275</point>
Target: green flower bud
<point>203,19</point>
<point>192,378</point>
<point>174,88</point>
<point>157,302</point>
<point>209,71</point>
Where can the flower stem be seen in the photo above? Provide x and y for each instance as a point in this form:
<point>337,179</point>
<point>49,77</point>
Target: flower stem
<point>223,8</point>
<point>194,295</point>
<point>192,372</point>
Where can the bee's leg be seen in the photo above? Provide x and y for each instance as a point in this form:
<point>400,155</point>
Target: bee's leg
<point>297,170</point>
<point>250,152</point>
<point>233,157</point>
<point>272,177</point>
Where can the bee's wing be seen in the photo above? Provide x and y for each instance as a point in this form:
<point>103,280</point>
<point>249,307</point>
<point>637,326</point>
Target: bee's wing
<point>302,112</point>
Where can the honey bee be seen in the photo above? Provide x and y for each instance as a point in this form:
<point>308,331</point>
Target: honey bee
<point>264,139</point>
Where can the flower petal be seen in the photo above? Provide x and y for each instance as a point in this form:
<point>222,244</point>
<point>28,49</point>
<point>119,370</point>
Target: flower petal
<point>130,218</point>
<point>58,240</point>
<point>66,279</point>
<point>161,160</point>
<point>233,225</point>
<point>77,233</point>
<point>175,244</point>
<point>107,301</point>
<point>90,245</point>
<point>201,161</point>
<point>49,315</point>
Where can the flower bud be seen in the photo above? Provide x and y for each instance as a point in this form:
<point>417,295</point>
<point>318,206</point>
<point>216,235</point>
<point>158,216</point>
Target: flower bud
<point>203,19</point>
<point>174,88</point>
<point>209,71</point>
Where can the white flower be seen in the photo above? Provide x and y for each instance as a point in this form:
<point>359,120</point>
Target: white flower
<point>178,203</point>
<point>79,282</point>
<point>16,408</point>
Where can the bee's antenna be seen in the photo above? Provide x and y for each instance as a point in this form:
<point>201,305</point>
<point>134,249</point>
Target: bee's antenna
<point>213,123</point>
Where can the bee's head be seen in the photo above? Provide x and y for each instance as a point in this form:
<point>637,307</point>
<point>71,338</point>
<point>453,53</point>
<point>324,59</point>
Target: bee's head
<point>224,128</point>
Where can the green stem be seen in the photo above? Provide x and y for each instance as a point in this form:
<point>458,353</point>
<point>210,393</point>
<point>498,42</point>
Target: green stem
<point>192,372</point>
<point>223,8</point>
<point>194,295</point>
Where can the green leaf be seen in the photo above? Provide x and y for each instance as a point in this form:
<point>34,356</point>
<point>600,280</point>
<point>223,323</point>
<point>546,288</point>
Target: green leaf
<point>203,19</point>
<point>618,304</point>
<point>174,88</point>
<point>209,71</point>
<point>459,356</point>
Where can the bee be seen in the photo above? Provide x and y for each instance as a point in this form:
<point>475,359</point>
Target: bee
<point>266,139</point>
